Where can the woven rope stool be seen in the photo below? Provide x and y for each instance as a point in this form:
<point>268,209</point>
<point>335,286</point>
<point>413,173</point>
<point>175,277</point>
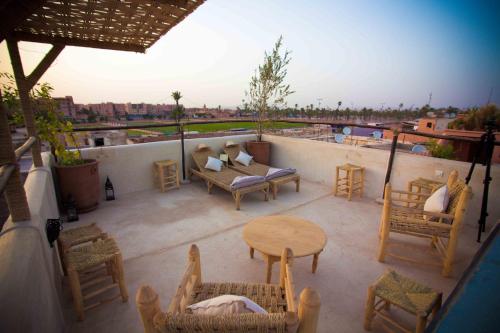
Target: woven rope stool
<point>349,178</point>
<point>95,269</point>
<point>77,236</point>
<point>395,289</point>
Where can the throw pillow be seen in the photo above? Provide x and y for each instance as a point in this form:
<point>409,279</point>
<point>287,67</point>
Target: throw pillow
<point>244,158</point>
<point>213,164</point>
<point>438,201</point>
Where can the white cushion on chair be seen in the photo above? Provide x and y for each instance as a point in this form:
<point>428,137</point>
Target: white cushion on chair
<point>214,164</point>
<point>225,304</point>
<point>244,158</point>
<point>438,201</point>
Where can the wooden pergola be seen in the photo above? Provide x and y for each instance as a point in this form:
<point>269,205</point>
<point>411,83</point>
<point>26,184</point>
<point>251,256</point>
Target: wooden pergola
<point>124,25</point>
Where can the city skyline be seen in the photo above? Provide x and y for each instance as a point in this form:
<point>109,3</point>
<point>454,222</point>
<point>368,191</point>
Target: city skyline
<point>363,54</point>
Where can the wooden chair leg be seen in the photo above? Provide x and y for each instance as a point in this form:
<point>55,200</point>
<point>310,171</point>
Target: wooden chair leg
<point>369,308</point>
<point>162,179</point>
<point>351,184</point>
<point>384,238</point>
<point>450,255</point>
<point>269,268</point>
<point>237,199</point>
<point>121,277</point>
<point>437,307</point>
<point>335,187</point>
<point>275,191</point>
<point>76,292</point>
<point>266,194</point>
<point>297,185</point>
<point>362,183</point>
<point>421,323</point>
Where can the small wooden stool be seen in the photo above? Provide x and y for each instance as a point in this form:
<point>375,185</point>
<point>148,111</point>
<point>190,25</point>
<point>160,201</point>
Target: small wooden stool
<point>393,288</point>
<point>167,173</point>
<point>351,181</point>
<point>95,269</point>
<point>77,236</point>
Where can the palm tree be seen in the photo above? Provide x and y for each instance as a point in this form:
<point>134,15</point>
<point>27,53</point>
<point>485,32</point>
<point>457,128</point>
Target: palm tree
<point>178,112</point>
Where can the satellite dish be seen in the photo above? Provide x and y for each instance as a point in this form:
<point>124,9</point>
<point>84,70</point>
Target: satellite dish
<point>346,130</point>
<point>339,138</point>
<point>377,135</point>
<point>418,149</point>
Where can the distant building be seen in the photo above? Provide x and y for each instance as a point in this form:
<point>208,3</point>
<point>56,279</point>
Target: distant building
<point>66,106</point>
<point>465,151</point>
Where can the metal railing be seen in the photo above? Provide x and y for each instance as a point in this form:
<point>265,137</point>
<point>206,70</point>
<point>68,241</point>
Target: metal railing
<point>486,143</point>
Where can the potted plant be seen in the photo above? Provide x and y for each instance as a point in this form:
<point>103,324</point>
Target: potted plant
<point>77,178</point>
<point>267,92</point>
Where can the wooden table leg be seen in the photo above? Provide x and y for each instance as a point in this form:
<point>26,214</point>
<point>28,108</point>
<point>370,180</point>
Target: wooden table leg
<point>315,262</point>
<point>269,260</point>
<point>252,250</point>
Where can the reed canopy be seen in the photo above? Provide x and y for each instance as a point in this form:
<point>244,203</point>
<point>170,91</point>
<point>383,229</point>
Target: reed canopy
<point>126,25</point>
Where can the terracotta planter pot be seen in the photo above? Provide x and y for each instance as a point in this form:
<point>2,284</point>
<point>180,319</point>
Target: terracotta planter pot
<point>82,182</point>
<point>260,150</point>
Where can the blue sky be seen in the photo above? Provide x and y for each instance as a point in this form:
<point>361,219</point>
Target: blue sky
<point>363,53</point>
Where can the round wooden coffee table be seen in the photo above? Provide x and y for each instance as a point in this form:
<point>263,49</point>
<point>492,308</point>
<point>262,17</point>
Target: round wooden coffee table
<point>271,234</point>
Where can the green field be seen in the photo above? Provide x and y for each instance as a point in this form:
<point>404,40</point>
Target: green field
<point>207,128</point>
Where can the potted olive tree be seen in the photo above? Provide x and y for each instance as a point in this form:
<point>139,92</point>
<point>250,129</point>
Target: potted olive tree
<point>267,92</point>
<point>77,178</point>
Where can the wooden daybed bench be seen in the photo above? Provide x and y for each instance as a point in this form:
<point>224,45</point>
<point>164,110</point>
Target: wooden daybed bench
<point>258,169</point>
<point>224,178</point>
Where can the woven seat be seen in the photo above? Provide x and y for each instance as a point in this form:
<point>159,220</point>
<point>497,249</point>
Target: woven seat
<point>278,299</point>
<point>271,297</point>
<point>411,296</point>
<point>403,213</point>
<point>77,236</point>
<point>95,268</point>
<point>87,256</point>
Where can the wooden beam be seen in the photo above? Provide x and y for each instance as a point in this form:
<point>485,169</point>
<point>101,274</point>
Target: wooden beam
<point>55,40</point>
<point>23,88</point>
<point>42,67</point>
<point>14,189</point>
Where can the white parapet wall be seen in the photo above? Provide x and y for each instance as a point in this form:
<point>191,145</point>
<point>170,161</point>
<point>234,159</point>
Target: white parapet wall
<point>130,167</point>
<point>30,275</point>
<point>316,161</point>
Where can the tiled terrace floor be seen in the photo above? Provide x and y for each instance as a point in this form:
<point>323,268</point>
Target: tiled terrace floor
<point>154,231</point>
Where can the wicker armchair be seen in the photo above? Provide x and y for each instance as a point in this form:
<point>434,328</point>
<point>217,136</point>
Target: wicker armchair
<point>403,213</point>
<point>279,300</point>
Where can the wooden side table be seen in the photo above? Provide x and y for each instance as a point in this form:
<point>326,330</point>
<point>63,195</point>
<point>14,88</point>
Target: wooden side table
<point>271,234</point>
<point>419,184</point>
<point>349,178</point>
<point>168,174</point>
